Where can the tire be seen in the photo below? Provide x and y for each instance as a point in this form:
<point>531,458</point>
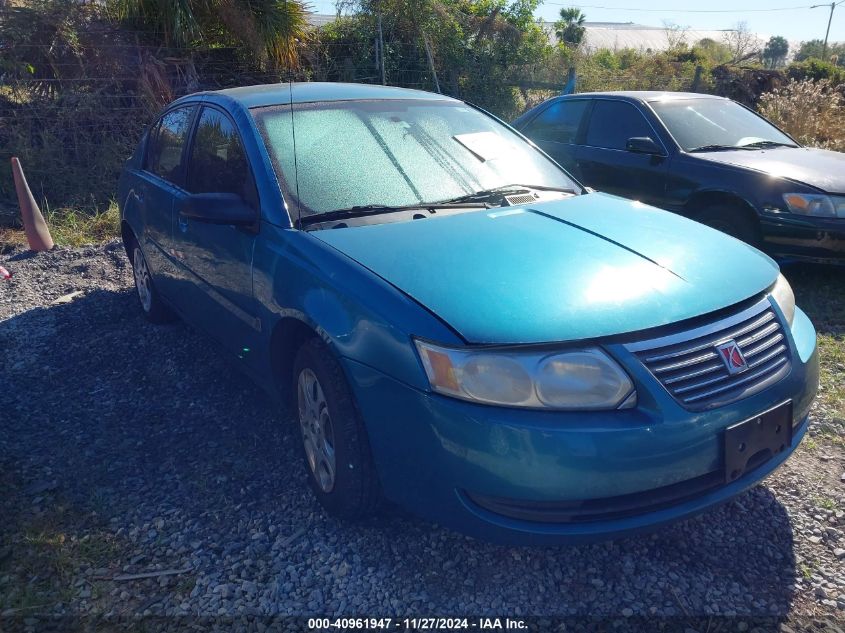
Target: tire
<point>334,443</point>
<point>154,309</point>
<point>733,221</point>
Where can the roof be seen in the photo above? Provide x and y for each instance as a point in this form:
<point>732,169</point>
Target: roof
<point>647,95</point>
<point>306,92</point>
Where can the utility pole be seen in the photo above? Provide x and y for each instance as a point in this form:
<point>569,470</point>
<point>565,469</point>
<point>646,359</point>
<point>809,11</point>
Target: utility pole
<point>832,6</point>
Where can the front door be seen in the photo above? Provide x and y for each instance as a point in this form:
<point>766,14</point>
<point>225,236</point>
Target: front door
<point>216,260</point>
<point>605,163</point>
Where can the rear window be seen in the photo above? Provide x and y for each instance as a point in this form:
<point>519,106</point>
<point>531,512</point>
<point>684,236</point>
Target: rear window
<point>164,147</point>
<point>559,122</point>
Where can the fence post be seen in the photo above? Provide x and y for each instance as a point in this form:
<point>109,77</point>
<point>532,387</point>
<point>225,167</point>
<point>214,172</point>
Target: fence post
<point>381,51</point>
<point>697,79</point>
<point>431,61</point>
<point>571,81</point>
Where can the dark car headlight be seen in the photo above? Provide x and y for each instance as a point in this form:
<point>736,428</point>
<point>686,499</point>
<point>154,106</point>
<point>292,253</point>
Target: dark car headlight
<point>815,204</point>
<point>578,379</point>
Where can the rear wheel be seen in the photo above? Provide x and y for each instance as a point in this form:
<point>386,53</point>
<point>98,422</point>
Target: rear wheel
<point>151,304</point>
<point>334,442</point>
<point>731,220</point>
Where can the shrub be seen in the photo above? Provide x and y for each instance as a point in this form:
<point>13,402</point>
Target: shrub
<point>811,111</point>
<point>814,69</point>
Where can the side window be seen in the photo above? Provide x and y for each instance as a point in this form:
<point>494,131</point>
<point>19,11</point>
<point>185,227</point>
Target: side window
<point>559,122</point>
<point>612,123</point>
<point>218,162</point>
<point>164,149</point>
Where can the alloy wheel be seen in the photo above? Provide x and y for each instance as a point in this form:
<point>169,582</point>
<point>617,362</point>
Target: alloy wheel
<point>142,280</point>
<point>317,430</point>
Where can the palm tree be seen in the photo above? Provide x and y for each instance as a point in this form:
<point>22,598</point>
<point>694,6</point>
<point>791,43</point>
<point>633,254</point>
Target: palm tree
<point>570,28</point>
<point>270,28</point>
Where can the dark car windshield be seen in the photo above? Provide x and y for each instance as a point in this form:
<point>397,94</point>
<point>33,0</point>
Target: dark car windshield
<point>716,123</point>
<point>396,153</point>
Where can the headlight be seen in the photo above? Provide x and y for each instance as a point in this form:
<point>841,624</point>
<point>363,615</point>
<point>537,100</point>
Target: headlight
<point>571,380</point>
<point>782,294</point>
<point>815,204</point>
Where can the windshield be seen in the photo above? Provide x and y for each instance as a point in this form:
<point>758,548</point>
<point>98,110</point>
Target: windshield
<point>395,153</point>
<point>696,123</point>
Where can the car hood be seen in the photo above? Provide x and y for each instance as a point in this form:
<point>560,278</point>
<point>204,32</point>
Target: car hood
<point>818,168</point>
<point>584,267</point>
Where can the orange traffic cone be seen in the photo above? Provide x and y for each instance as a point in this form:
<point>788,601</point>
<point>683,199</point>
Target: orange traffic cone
<point>37,233</point>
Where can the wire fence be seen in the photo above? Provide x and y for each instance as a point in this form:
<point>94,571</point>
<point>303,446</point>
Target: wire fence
<point>74,119</point>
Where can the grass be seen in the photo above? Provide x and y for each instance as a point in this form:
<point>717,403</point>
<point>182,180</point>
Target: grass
<point>820,292</point>
<point>71,226</point>
<point>46,560</point>
<point>825,503</point>
<point>75,227</point>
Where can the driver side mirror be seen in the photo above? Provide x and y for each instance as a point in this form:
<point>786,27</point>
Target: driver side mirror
<point>219,208</point>
<point>643,145</point>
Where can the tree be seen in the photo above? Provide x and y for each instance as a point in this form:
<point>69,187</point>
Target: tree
<point>775,51</point>
<point>714,52</point>
<point>741,42</point>
<point>814,49</point>
<point>570,28</point>
<point>676,35</point>
<point>270,28</point>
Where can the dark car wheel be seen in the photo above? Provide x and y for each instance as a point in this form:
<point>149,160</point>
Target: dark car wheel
<point>151,304</point>
<point>733,221</point>
<point>337,454</point>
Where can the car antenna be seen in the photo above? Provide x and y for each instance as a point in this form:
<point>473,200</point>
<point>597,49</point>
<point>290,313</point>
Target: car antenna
<point>295,167</point>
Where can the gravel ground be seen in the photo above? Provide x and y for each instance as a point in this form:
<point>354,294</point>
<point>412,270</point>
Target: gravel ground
<point>128,448</point>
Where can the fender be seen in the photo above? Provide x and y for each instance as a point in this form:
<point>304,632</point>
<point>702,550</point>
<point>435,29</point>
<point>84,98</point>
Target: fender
<point>344,303</point>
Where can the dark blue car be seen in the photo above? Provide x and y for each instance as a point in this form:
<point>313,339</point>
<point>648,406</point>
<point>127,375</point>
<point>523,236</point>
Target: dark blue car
<point>705,157</point>
<point>461,327</point>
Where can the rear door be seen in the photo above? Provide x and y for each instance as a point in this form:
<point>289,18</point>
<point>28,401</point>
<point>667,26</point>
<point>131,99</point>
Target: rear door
<point>216,260</point>
<point>161,182</point>
<point>604,162</point>
<point>556,130</point>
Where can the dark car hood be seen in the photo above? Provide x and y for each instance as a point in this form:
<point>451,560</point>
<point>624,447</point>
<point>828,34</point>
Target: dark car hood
<point>818,168</point>
<point>590,266</point>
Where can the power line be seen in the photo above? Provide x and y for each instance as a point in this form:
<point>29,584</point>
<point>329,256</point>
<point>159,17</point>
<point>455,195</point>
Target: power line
<point>674,10</point>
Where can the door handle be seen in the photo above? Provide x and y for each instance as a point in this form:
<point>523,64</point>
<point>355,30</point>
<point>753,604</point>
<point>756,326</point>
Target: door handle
<point>183,223</point>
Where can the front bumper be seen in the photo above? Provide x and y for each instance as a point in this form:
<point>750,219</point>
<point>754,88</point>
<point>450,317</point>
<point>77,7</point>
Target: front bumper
<point>814,240</point>
<point>438,456</point>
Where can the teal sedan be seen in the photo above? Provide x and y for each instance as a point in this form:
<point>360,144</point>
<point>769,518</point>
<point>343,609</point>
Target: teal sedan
<point>458,325</point>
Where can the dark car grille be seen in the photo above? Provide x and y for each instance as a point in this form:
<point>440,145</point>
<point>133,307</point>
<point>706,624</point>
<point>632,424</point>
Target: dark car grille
<point>689,367</point>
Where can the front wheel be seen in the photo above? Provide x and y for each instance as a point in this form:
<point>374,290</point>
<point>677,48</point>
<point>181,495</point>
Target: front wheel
<point>337,454</point>
<point>732,221</point>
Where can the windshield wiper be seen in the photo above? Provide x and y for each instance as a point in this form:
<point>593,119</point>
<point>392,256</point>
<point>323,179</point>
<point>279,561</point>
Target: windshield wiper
<point>769,144</point>
<point>506,190</point>
<point>377,209</point>
<point>716,148</point>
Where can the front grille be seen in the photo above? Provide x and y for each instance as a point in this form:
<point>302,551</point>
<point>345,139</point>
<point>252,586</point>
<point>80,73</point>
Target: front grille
<point>689,367</point>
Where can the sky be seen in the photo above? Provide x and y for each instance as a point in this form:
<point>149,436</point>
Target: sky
<point>795,22</point>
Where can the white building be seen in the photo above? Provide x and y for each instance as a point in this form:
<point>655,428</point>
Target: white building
<point>619,35</point>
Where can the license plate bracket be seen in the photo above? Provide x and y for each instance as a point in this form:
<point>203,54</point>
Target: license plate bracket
<point>750,443</point>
